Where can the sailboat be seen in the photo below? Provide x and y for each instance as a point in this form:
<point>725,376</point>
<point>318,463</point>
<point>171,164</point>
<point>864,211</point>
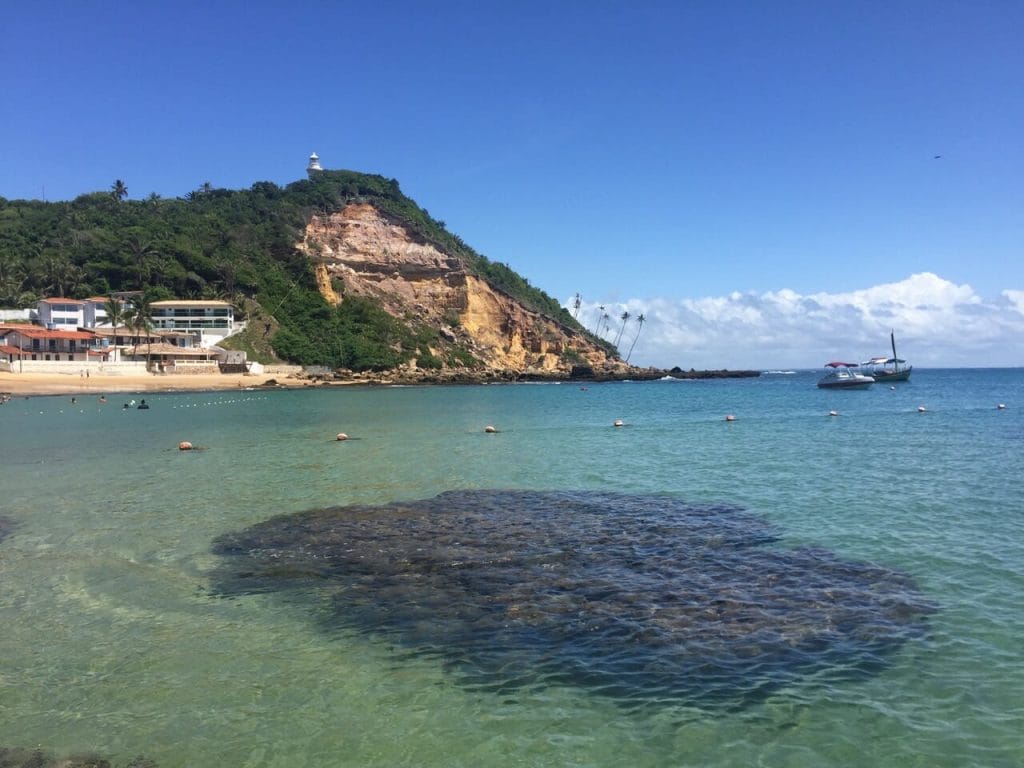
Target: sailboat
<point>888,369</point>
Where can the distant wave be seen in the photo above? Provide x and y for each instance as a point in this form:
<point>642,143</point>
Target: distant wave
<point>778,373</point>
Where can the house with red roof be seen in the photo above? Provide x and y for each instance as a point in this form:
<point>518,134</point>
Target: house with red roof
<point>30,342</point>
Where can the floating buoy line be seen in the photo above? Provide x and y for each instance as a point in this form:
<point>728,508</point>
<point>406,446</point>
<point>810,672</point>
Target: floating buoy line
<point>231,401</point>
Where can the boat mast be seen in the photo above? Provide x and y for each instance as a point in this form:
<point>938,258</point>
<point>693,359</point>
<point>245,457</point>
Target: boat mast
<point>895,360</point>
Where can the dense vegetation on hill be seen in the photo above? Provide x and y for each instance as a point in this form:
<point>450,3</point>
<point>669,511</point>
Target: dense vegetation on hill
<point>237,245</point>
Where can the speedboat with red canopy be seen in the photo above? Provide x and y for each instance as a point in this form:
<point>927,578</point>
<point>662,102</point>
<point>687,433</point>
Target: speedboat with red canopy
<point>840,376</point>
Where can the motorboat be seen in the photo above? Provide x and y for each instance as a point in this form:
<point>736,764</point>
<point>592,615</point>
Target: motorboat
<point>842,376</point>
<point>887,369</point>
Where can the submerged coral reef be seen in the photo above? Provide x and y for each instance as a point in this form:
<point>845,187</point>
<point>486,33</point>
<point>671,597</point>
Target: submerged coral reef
<point>643,598</point>
<point>37,758</point>
<point>6,526</point>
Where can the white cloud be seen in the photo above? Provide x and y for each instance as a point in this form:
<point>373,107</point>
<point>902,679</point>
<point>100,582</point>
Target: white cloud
<point>1016,299</point>
<point>937,323</point>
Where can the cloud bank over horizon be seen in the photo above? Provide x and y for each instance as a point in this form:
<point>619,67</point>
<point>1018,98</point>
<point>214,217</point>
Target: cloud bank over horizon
<point>937,324</point>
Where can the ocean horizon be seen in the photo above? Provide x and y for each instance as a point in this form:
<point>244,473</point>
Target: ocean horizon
<point>789,587</point>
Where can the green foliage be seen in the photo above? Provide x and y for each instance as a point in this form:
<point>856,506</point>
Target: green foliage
<point>256,338</point>
<point>239,245</point>
<point>428,361</point>
<point>572,357</point>
<point>458,357</point>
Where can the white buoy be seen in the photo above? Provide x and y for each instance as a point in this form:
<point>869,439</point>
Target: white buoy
<point>921,409</point>
<point>342,436</point>
<point>618,423</point>
<point>833,413</point>
<point>185,445</point>
<point>489,429</point>
<point>730,417</point>
<point>1001,406</point>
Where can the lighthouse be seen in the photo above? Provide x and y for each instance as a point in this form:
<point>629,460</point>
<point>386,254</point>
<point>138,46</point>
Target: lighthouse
<point>314,165</point>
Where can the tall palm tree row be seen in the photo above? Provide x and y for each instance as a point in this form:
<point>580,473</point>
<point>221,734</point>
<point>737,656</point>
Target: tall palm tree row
<point>639,325</point>
<point>623,317</point>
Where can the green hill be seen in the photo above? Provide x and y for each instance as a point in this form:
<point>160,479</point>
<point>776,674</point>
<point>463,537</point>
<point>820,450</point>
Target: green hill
<point>240,245</point>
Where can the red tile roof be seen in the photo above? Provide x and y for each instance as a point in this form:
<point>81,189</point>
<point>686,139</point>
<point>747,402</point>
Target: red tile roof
<point>45,333</point>
<point>62,301</point>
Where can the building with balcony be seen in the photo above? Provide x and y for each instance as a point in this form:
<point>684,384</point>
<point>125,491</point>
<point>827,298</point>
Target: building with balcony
<point>212,319</point>
<point>35,343</point>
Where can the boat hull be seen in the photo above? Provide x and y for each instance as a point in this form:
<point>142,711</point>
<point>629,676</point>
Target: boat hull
<point>852,383</point>
<point>886,376</point>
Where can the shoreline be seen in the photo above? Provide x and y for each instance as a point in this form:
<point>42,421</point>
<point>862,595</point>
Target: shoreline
<point>29,384</point>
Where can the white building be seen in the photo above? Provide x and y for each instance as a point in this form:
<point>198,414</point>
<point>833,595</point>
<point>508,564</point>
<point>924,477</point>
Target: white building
<point>212,319</point>
<point>61,314</point>
<point>74,313</point>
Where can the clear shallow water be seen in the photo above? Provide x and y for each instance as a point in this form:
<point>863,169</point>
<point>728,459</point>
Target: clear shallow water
<point>111,640</point>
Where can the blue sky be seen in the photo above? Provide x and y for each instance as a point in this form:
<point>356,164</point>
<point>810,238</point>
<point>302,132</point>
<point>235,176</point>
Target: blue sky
<point>759,179</point>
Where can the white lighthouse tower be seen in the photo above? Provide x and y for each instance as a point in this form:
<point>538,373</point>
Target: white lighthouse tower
<point>314,165</point>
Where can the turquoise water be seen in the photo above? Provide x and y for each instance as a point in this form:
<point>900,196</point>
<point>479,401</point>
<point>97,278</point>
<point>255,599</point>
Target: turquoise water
<point>112,641</point>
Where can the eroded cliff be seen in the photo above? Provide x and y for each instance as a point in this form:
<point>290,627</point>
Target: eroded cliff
<point>361,251</point>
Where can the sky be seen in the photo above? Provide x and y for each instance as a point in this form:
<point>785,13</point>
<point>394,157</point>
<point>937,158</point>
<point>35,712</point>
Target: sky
<point>772,185</point>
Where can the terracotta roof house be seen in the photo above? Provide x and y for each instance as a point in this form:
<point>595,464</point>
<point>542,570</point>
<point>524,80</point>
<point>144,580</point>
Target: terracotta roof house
<point>35,343</point>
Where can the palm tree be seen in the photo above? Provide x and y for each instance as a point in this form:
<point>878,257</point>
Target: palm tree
<point>57,273</point>
<point>139,318</point>
<point>606,320</point>
<point>118,190</point>
<point>115,314</point>
<point>12,279</point>
<point>600,319</point>
<point>623,317</point>
<point>640,324</point>
<point>576,306</point>
<point>142,253</point>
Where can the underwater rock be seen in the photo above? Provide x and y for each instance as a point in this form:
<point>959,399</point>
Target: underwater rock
<point>36,758</point>
<point>6,526</point>
<point>641,598</point>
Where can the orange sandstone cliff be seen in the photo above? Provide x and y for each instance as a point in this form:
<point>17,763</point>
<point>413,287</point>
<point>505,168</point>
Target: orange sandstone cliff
<point>361,251</point>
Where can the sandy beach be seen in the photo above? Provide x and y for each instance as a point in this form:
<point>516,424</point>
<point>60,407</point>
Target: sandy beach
<point>23,384</point>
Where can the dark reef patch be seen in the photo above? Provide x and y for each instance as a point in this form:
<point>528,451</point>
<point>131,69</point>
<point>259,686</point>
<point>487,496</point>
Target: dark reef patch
<point>6,526</point>
<point>641,598</point>
<point>37,758</point>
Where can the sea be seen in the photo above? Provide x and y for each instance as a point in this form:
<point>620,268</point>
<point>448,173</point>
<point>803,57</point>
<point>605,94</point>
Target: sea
<point>894,516</point>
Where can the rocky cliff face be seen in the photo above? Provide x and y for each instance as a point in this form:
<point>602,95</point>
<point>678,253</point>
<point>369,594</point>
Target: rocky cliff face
<point>360,251</point>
